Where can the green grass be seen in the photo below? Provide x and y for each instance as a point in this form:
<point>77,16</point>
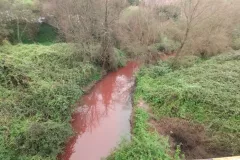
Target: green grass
<point>144,145</point>
<point>38,86</point>
<point>206,92</point>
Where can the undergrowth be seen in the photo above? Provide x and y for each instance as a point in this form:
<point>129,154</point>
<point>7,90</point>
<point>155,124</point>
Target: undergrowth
<point>206,92</point>
<point>145,145</point>
<point>38,87</point>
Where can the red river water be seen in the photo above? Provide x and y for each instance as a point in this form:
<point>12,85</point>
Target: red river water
<point>103,117</point>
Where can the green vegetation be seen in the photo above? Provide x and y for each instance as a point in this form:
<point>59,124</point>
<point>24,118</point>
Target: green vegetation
<point>236,38</point>
<point>145,145</point>
<point>207,92</point>
<point>133,2</point>
<point>166,46</point>
<point>47,34</point>
<point>44,34</point>
<point>38,86</point>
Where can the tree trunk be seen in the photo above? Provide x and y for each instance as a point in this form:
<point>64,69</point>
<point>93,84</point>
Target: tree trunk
<point>183,42</point>
<point>106,44</point>
<point>18,32</point>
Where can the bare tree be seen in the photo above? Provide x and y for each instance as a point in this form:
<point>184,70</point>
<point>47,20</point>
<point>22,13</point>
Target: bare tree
<point>88,23</point>
<point>195,12</point>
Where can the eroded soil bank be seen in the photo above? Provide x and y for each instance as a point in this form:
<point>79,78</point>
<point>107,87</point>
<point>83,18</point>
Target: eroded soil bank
<point>192,138</point>
<point>103,117</point>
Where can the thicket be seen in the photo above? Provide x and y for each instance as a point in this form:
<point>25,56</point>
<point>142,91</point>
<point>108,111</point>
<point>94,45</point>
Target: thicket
<point>38,87</point>
<point>203,91</point>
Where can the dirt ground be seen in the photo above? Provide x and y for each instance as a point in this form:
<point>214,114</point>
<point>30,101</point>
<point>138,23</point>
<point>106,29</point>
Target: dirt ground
<point>191,137</point>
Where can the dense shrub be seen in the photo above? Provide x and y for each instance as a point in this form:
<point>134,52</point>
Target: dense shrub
<point>38,87</point>
<point>167,45</point>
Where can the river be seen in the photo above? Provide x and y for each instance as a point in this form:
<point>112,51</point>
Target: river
<point>102,117</point>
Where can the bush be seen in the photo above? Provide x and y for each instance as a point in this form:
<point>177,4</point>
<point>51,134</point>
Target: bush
<point>120,57</point>
<point>38,87</point>
<point>236,38</point>
<point>167,45</point>
<point>138,27</point>
<point>133,2</point>
<point>183,61</point>
<point>236,44</point>
<point>45,139</point>
<point>167,12</point>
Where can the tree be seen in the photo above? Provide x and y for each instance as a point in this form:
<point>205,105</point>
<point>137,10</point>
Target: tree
<point>16,12</point>
<point>194,14</point>
<point>4,31</point>
<point>88,23</point>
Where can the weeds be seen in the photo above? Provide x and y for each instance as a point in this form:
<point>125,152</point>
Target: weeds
<point>38,86</point>
<point>206,92</point>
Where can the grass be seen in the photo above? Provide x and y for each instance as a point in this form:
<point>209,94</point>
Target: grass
<point>38,87</point>
<point>206,92</point>
<point>145,145</point>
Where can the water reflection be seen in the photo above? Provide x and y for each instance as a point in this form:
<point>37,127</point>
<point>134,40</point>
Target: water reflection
<point>103,117</point>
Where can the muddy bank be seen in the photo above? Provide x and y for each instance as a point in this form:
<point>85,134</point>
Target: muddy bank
<point>192,138</point>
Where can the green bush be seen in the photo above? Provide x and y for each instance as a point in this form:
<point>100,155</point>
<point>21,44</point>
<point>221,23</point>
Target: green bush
<point>43,139</point>
<point>183,61</point>
<point>120,57</point>
<point>236,44</point>
<point>38,87</point>
<point>206,92</point>
<point>236,38</point>
<point>46,34</point>
<point>167,45</point>
<point>133,2</point>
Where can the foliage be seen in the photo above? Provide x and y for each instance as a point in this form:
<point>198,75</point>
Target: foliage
<point>120,57</point>
<point>169,12</point>
<point>18,20</point>
<point>144,145</point>
<point>236,38</point>
<point>183,61</point>
<point>133,2</point>
<point>137,29</point>
<point>38,86</point>
<point>166,45</point>
<point>206,92</point>
<point>46,34</point>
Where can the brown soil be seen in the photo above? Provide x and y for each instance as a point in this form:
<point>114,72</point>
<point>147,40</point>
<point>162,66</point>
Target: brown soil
<point>191,137</point>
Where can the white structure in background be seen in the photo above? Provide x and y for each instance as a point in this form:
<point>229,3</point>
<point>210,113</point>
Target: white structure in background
<point>41,19</point>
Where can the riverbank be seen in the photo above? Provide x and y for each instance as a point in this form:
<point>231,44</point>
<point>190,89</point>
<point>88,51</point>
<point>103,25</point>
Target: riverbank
<point>195,105</point>
<point>38,87</point>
